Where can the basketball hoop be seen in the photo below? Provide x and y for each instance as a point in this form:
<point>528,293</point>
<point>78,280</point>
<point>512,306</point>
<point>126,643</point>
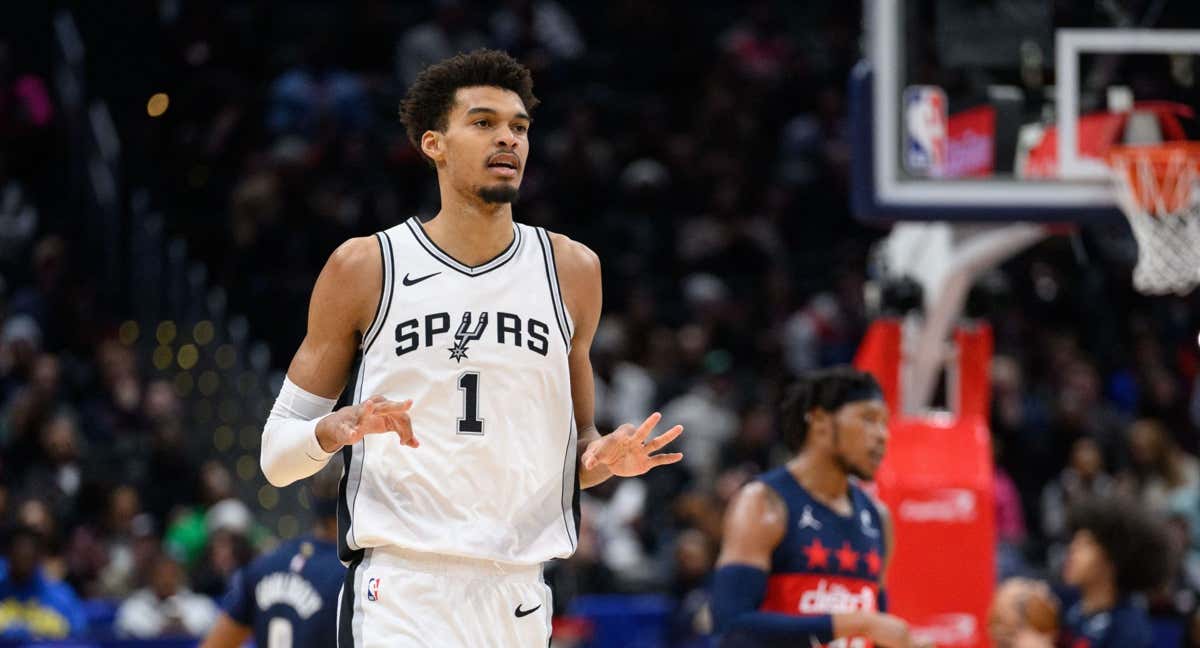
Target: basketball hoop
<point>1158,188</point>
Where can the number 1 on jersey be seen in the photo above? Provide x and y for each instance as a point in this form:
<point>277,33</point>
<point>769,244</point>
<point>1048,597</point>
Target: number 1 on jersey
<point>470,423</point>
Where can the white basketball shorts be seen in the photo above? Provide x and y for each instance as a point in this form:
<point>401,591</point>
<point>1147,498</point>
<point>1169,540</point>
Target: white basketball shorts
<point>399,598</point>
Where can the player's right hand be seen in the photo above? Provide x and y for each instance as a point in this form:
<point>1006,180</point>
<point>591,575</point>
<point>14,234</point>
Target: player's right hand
<point>375,415</point>
<point>889,631</point>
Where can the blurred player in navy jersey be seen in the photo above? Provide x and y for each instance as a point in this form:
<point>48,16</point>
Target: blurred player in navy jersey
<point>288,598</point>
<point>805,548</point>
<point>1117,552</point>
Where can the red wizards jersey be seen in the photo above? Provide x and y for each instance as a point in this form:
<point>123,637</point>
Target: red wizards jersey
<point>827,563</point>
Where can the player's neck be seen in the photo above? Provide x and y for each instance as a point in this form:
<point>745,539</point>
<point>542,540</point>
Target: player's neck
<point>471,232</point>
<point>822,479</point>
<point>1099,597</point>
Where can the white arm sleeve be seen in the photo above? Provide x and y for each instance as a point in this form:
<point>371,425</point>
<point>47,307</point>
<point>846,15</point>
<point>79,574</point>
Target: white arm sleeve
<point>290,450</point>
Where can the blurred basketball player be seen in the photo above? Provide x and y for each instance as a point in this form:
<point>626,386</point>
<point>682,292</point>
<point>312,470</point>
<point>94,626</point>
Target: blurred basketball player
<point>472,334</point>
<point>288,598</point>
<point>805,549</point>
<point>1117,551</point>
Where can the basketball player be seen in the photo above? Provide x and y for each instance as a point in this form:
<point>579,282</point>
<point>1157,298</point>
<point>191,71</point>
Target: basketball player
<point>1117,551</point>
<point>288,598</point>
<point>805,549</point>
<point>472,334</point>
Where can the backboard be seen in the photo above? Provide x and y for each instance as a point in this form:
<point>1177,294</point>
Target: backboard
<point>1002,110</point>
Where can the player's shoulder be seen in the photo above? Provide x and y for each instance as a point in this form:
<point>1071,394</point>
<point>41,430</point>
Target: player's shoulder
<point>758,500</point>
<point>356,255</point>
<point>755,522</point>
<point>571,256</point>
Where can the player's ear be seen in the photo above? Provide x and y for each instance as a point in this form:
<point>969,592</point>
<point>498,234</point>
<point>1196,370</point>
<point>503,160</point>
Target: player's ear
<point>818,421</point>
<point>433,145</point>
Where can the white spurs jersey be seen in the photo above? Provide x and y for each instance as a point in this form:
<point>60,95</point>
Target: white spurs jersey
<point>482,352</point>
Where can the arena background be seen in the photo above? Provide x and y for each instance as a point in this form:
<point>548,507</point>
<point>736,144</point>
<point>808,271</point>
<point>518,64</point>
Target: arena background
<point>173,174</point>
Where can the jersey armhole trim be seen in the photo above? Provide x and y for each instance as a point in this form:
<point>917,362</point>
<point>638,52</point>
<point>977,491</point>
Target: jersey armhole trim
<point>555,295</point>
<point>388,263</point>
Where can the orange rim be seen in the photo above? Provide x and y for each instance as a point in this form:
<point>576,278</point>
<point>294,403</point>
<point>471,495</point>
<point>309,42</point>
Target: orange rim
<point>1159,177</point>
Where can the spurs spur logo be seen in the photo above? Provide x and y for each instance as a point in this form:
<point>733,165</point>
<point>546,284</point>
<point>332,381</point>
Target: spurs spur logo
<point>466,335</point>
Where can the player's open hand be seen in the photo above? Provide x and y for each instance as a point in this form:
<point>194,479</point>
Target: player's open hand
<point>375,415</point>
<point>625,451</point>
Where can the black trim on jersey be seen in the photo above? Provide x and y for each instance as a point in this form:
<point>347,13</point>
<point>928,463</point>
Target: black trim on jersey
<point>389,281</point>
<point>562,303</point>
<point>345,553</point>
<point>345,506</point>
<point>550,271</point>
<point>345,635</point>
<point>506,255</point>
<point>562,495</point>
<point>575,510</point>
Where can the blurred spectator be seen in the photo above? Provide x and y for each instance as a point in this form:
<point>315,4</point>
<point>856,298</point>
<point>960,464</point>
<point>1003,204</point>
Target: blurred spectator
<point>188,533</point>
<point>694,557</point>
<point>759,44</point>
<point>57,474</point>
<point>537,30</point>
<point>18,220</point>
<point>449,32</point>
<point>624,391</point>
<point>617,509</point>
<point>1010,525</point>
<point>318,99</point>
<point>115,415</point>
<point>26,114</point>
<point>105,555</point>
<point>1165,479</point>
<point>20,344</point>
<point>705,412</point>
<point>1083,478</point>
<point>166,607</point>
<point>35,607</point>
<point>227,551</point>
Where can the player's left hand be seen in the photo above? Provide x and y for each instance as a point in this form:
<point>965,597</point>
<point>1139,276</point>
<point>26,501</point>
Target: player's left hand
<point>625,451</point>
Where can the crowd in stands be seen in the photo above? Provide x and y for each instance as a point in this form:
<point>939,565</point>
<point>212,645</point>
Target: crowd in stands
<point>702,154</point>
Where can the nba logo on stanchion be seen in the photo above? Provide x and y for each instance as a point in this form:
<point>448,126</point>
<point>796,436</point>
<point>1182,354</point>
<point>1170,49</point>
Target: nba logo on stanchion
<point>373,589</point>
<point>925,131</point>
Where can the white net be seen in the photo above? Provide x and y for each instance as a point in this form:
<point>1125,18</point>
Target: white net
<point>1157,190</point>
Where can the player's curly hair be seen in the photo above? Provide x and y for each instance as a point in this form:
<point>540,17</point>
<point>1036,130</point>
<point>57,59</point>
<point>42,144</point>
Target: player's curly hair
<point>427,105</point>
<point>1137,543</point>
<point>827,389</point>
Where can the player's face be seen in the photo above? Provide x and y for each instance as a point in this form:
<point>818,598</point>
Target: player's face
<point>485,144</point>
<point>1086,561</point>
<point>861,437</point>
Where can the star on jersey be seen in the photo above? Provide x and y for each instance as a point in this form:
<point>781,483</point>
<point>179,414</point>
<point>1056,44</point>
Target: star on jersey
<point>463,336</point>
<point>847,557</point>
<point>807,521</point>
<point>817,554</point>
<point>874,562</point>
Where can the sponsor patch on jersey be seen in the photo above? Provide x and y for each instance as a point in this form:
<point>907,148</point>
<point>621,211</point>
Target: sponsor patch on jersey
<point>814,594</point>
<point>810,594</point>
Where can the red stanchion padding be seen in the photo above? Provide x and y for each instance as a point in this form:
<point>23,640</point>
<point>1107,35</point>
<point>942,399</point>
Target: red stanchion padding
<point>879,355</point>
<point>937,481</point>
<point>974,343</point>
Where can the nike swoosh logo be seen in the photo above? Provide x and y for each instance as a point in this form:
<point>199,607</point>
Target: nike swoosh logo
<point>520,613</point>
<point>409,282</point>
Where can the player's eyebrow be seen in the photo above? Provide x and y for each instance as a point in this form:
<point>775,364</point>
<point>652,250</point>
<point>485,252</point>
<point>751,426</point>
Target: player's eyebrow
<point>492,111</point>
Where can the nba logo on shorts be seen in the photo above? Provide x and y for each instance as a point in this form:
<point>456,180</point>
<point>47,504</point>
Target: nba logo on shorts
<point>925,131</point>
<point>373,589</point>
